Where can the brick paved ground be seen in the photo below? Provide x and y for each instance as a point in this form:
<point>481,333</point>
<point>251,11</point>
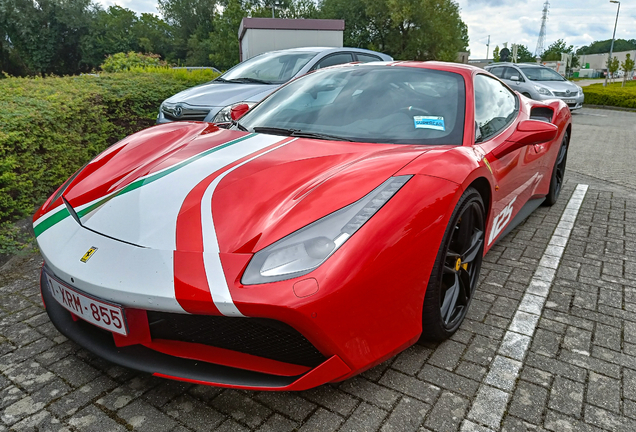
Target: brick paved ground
<point>578,373</point>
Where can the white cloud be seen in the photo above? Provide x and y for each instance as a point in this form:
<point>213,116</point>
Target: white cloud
<point>139,6</point>
<point>578,23</point>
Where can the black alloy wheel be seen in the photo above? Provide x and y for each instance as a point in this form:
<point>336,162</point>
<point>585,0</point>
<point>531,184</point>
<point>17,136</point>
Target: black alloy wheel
<point>456,270</point>
<point>558,173</point>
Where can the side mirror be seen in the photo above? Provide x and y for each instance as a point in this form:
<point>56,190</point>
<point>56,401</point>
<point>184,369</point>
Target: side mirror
<point>238,111</point>
<point>515,78</point>
<point>528,132</point>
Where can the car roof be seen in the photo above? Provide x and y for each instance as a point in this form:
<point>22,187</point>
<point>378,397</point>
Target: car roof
<point>460,68</point>
<point>318,49</point>
<point>514,64</point>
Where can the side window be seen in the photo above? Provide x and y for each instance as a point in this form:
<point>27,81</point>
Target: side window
<point>495,107</point>
<point>510,72</point>
<point>365,58</point>
<point>497,71</point>
<point>334,59</point>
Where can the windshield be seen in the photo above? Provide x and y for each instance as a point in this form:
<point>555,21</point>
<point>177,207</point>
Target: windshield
<point>369,103</point>
<point>269,68</point>
<point>541,74</point>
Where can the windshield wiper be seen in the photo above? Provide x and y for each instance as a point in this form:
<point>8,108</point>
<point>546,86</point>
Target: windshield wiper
<point>247,80</point>
<point>239,126</point>
<point>298,133</point>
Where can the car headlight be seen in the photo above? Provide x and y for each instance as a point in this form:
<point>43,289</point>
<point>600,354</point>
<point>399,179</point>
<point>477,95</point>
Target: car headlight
<point>223,116</point>
<point>543,90</point>
<point>304,250</point>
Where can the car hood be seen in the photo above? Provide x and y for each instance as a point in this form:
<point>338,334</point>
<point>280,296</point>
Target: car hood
<point>165,186</point>
<point>559,86</point>
<point>216,94</point>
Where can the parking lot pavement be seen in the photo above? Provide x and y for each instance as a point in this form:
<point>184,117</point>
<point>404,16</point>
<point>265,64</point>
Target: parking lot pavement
<point>549,342</point>
<point>603,145</point>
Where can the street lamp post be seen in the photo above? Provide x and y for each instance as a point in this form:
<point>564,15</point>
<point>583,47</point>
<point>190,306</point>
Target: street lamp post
<point>612,44</point>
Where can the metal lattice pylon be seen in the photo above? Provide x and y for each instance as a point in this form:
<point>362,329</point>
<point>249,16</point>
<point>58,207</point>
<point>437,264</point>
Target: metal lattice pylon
<point>544,17</point>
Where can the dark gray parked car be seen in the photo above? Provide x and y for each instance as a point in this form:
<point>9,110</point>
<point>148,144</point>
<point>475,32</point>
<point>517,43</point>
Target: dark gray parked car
<point>250,81</point>
<point>538,82</point>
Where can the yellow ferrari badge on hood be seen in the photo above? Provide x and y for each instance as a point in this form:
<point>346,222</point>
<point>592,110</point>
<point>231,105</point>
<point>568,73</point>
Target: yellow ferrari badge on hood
<point>89,253</point>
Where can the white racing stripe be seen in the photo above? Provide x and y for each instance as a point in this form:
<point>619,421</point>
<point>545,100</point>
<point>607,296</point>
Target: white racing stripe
<point>217,283</point>
<point>147,215</point>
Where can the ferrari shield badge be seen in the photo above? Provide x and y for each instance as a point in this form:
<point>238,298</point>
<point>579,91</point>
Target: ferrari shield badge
<point>89,253</point>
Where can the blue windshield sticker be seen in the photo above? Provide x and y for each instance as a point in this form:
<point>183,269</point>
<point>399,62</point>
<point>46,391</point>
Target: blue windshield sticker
<point>429,122</point>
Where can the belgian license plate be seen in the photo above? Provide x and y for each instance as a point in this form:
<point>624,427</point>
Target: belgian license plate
<point>96,312</point>
<point>569,101</point>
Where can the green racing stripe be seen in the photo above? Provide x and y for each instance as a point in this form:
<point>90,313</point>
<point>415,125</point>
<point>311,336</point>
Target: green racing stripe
<point>62,214</point>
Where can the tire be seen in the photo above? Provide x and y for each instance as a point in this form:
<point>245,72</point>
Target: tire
<point>558,173</point>
<point>454,277</point>
<point>527,95</point>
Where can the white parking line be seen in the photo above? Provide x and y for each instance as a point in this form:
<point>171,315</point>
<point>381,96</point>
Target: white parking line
<point>493,395</point>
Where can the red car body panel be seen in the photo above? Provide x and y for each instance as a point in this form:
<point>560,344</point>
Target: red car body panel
<point>364,304</point>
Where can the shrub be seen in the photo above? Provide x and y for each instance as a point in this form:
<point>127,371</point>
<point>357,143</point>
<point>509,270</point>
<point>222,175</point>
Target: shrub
<point>122,62</point>
<point>612,95</point>
<point>51,126</point>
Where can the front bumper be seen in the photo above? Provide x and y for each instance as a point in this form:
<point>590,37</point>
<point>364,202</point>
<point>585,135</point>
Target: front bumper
<point>157,357</point>
<point>574,102</point>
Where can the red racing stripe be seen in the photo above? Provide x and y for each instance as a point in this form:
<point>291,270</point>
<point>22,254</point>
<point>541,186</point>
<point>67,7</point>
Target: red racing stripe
<point>190,281</point>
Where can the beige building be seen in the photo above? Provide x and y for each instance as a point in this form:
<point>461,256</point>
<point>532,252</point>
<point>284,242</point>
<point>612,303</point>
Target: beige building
<point>259,35</point>
<point>598,62</point>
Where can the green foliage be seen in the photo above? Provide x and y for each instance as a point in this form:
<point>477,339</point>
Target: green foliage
<point>603,46</point>
<point>612,95</point>
<point>613,65</point>
<point>554,51</point>
<point>627,65</point>
<point>121,30</point>
<point>558,47</point>
<point>495,54</point>
<point>524,55</point>
<point>122,62</point>
<point>51,126</point>
<point>75,36</point>
<point>44,37</point>
<point>404,29</point>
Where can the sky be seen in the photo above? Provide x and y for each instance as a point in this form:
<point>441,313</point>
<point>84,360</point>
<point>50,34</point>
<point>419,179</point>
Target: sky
<point>578,22</point>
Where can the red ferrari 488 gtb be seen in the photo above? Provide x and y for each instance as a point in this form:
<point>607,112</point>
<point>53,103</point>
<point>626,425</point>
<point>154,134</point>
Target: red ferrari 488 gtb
<point>324,231</point>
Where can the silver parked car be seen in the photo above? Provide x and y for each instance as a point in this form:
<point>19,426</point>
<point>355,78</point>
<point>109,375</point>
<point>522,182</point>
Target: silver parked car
<point>250,81</point>
<point>538,82</point>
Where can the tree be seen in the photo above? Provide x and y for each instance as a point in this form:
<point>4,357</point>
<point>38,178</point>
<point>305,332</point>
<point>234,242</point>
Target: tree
<point>154,35</point>
<point>627,67</point>
<point>558,47</point>
<point>189,19</point>
<point>612,67</point>
<point>404,29</point>
<point>45,36</point>
<point>598,47</point>
<point>110,32</point>
<point>524,55</point>
<point>357,32</point>
<point>495,54</point>
<point>555,49</point>
<point>224,51</point>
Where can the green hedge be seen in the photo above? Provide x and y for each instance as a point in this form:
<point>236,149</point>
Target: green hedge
<point>51,126</point>
<point>612,95</point>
